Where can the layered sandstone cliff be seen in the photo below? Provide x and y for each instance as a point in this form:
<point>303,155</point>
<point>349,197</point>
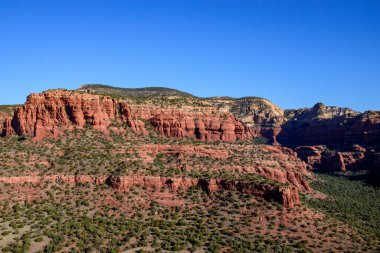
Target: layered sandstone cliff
<point>49,113</point>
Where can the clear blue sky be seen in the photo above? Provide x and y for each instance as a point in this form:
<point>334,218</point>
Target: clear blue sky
<point>294,53</point>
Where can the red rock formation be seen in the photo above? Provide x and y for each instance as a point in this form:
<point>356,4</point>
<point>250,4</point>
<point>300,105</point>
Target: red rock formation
<point>354,157</point>
<point>205,127</point>
<point>47,114</point>
<point>310,154</point>
<point>5,124</point>
<point>127,116</point>
<point>297,178</point>
<point>287,196</point>
<point>7,129</point>
<point>321,158</point>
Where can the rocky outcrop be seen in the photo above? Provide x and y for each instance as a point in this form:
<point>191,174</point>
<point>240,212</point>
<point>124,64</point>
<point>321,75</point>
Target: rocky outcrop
<point>197,122</point>
<point>287,196</point>
<point>5,125</point>
<point>319,157</point>
<point>3,118</point>
<point>336,127</point>
<point>296,178</point>
<point>365,129</point>
<point>262,117</point>
<point>281,165</point>
<point>251,110</point>
<point>47,114</point>
<point>312,155</point>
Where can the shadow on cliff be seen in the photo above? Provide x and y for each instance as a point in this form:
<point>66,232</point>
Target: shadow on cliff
<point>337,133</point>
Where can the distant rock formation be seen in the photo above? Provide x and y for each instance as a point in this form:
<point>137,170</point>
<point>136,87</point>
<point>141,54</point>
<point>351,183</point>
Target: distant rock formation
<point>328,138</point>
<point>332,126</point>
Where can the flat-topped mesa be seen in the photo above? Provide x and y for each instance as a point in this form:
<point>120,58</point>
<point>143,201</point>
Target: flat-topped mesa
<point>49,113</point>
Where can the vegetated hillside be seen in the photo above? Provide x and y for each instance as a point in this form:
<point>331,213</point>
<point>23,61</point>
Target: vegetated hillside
<point>132,92</point>
<point>351,201</point>
<point>90,192</point>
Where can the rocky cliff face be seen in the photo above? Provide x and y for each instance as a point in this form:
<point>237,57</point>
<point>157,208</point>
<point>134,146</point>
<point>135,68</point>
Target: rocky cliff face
<point>5,124</point>
<point>49,113</point>
<point>202,123</point>
<point>262,117</point>
<point>200,126</point>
